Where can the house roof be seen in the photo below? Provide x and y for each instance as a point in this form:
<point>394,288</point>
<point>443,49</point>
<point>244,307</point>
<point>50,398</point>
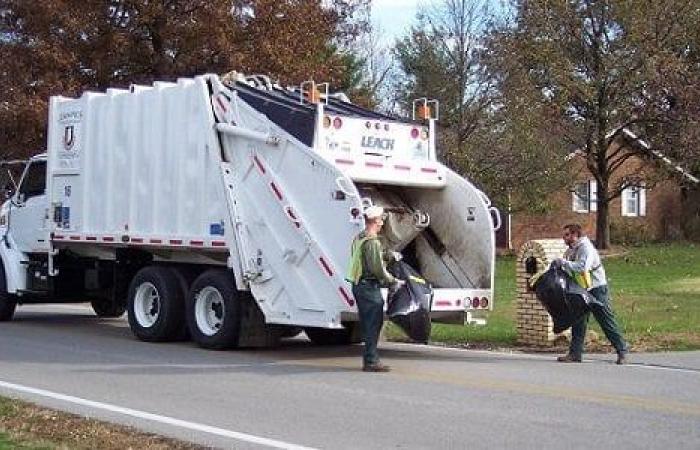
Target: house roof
<point>644,144</point>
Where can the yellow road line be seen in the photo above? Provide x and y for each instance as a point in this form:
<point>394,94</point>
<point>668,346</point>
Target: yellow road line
<point>564,392</point>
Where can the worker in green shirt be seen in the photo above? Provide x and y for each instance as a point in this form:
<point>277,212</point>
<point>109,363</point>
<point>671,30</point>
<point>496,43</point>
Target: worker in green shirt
<point>368,274</point>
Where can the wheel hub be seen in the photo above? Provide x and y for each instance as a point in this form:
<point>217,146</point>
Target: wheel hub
<point>147,304</point>
<point>209,310</point>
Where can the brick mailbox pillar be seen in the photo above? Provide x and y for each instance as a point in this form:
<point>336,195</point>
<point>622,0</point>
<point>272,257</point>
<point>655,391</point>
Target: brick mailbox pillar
<point>533,322</point>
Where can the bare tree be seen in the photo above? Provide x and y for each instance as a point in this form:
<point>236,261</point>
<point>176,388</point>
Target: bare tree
<point>442,56</point>
<point>447,56</point>
<point>599,67</point>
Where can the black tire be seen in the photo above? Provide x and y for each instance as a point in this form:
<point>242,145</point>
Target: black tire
<point>325,336</point>
<point>163,319</point>
<point>107,308</point>
<point>214,310</point>
<point>8,303</point>
<point>185,278</point>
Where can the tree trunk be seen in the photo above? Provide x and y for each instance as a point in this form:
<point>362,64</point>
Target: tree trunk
<point>602,229</point>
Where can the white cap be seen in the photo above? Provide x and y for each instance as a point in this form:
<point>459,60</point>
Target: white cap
<point>374,212</point>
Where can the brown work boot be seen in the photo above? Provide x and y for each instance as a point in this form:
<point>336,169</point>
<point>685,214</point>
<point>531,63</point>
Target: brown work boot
<point>621,358</point>
<point>377,367</point>
<point>569,358</point>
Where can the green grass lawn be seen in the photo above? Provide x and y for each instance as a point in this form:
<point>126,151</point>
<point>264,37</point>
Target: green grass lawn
<point>655,293</point>
<point>8,444</point>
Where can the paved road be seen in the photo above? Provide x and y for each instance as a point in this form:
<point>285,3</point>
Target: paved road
<point>63,357</point>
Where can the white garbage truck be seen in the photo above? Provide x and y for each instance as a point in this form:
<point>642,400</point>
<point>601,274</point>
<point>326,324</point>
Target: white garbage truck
<point>222,209</point>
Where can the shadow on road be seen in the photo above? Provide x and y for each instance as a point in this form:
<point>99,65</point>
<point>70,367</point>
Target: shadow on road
<point>107,345</point>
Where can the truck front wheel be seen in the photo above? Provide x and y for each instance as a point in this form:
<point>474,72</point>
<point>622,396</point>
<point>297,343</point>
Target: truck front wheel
<point>156,305</point>
<point>7,300</point>
<point>214,310</point>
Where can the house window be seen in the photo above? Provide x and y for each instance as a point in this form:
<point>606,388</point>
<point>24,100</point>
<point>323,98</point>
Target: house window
<point>634,201</point>
<point>584,197</point>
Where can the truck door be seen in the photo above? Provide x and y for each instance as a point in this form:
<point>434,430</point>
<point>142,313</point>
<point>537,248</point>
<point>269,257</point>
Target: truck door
<point>27,221</point>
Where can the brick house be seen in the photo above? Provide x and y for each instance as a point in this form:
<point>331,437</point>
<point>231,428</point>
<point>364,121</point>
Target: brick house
<point>649,211</point>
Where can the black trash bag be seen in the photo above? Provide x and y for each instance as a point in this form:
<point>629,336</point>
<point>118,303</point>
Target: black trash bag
<point>562,297</point>
<point>409,306</point>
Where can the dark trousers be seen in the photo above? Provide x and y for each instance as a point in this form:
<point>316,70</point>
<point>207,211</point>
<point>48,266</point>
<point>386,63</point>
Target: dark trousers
<point>370,306</point>
<point>605,316</point>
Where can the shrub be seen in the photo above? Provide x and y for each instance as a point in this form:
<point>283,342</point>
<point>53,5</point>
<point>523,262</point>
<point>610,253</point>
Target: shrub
<point>630,233</point>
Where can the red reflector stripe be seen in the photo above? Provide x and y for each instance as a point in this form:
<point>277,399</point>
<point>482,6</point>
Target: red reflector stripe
<point>91,238</point>
<point>346,296</point>
<point>197,243</point>
<point>108,238</point>
<point>137,240</point>
<point>176,241</point>
<point>428,170</point>
<point>326,266</point>
<point>221,103</point>
<point>276,191</point>
<point>399,167</point>
<point>156,241</point>
<point>218,243</point>
<point>259,164</point>
<point>374,164</point>
<point>345,161</point>
<point>443,303</point>
<point>74,238</point>
<point>57,236</point>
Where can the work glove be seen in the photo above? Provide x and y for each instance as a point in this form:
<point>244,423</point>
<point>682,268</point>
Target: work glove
<point>399,284</point>
<point>397,256</point>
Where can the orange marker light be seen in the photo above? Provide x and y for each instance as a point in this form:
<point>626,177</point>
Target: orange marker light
<point>314,96</point>
<point>424,112</point>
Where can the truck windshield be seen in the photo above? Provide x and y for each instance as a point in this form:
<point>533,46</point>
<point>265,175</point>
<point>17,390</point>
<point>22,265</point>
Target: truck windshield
<point>34,181</point>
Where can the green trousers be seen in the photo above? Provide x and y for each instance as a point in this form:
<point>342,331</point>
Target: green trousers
<point>370,306</point>
<point>604,315</point>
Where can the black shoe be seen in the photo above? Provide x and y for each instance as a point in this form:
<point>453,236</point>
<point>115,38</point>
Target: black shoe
<point>621,359</point>
<point>377,367</point>
<point>569,358</point>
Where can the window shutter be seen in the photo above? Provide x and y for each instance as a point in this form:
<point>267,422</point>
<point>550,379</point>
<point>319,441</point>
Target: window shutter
<point>593,202</point>
<point>623,201</point>
<point>642,200</point>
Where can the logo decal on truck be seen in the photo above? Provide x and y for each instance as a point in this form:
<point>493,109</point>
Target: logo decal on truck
<point>470,214</point>
<point>69,137</point>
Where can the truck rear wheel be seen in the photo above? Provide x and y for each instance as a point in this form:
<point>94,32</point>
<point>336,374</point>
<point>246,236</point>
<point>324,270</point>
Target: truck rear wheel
<point>7,300</point>
<point>156,305</point>
<point>107,308</point>
<point>214,310</point>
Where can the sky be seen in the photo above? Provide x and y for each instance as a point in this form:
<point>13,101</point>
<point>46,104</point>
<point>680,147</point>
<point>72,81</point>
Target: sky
<point>394,17</point>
